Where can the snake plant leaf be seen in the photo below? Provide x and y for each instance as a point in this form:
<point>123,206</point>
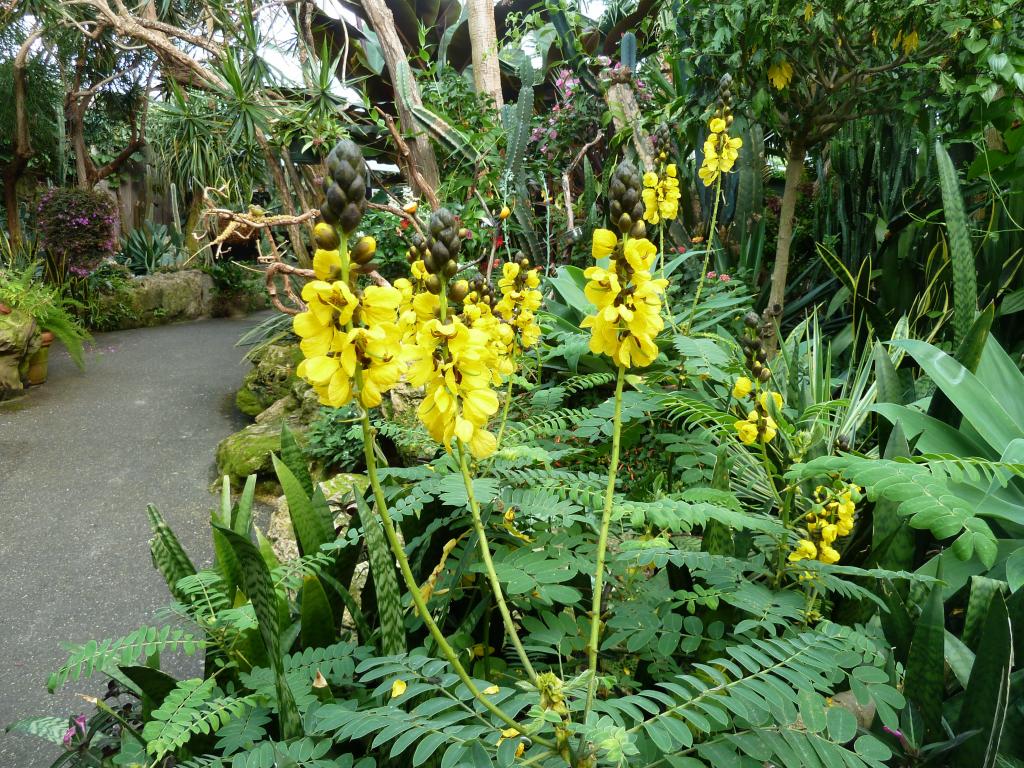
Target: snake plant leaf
<point>965,289</point>
<point>317,619</point>
<point>988,692</point>
<point>312,528</point>
<point>925,678</point>
<point>168,555</point>
<point>983,589</point>
<point>258,586</point>
<point>295,460</point>
<point>385,583</point>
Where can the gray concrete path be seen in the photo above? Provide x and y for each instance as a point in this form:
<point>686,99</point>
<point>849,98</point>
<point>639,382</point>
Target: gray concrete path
<point>80,457</point>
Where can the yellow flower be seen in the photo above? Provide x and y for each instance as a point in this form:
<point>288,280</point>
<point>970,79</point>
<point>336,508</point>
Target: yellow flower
<point>742,387</point>
<point>756,427</point>
<point>326,264</point>
<point>627,321</point>
<point>661,195</point>
<point>775,398</point>
<point>491,690</point>
<point>720,153</point>
<point>747,431</point>
<point>828,555</point>
<point>780,74</point>
<point>640,254</point>
<point>454,362</point>
<point>805,550</point>
<point>398,688</point>
<point>512,733</point>
<point>910,43</point>
<point>808,13</point>
<point>604,243</point>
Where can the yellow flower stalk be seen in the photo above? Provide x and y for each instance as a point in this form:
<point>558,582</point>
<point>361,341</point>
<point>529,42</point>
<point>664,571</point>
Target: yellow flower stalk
<point>628,301</point>
<point>661,195</point>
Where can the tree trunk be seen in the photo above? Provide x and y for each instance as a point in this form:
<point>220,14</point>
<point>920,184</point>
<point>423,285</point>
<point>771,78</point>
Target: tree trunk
<point>195,210</point>
<point>484,42</point>
<point>407,92</point>
<point>22,149</point>
<point>794,171</point>
<point>294,233</point>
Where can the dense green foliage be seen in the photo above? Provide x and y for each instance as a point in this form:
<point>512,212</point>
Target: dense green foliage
<point>636,493</point>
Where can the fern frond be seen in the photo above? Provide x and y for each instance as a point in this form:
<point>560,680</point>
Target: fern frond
<point>544,424</point>
<point>190,709</point>
<point>921,494</point>
<point>765,683</point>
<point>91,657</point>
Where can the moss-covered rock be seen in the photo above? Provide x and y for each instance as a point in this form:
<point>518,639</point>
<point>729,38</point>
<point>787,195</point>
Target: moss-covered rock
<point>19,338</point>
<point>165,297</point>
<point>248,452</point>
<point>271,378</point>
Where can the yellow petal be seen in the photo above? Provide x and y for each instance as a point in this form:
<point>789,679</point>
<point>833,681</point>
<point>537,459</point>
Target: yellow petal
<point>398,688</point>
<point>491,690</point>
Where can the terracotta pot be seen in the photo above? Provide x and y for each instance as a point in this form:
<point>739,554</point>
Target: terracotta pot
<point>38,366</point>
<point>4,309</point>
<point>46,338</point>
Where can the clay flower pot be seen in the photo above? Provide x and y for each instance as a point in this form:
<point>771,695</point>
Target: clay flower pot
<point>4,309</point>
<point>39,363</point>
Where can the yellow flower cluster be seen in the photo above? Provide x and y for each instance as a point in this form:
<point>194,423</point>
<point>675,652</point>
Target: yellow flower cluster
<point>830,518</point>
<point>720,152</point>
<point>758,425</point>
<point>661,195</point>
<point>780,73</point>
<point>627,298</point>
<point>520,299</point>
<point>347,336</point>
<point>454,363</point>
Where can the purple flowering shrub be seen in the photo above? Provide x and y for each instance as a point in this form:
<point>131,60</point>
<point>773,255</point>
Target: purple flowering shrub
<point>76,231</point>
<point>573,120</point>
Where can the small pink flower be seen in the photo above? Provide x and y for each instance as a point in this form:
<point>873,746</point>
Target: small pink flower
<point>724,278</point>
<point>712,275</point>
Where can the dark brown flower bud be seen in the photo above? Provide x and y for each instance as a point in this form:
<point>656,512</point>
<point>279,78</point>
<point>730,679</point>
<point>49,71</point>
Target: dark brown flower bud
<point>346,196</point>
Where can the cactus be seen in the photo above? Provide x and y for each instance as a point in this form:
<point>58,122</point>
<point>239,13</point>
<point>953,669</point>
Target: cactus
<point>627,51</point>
<point>965,289</point>
<point>517,120</point>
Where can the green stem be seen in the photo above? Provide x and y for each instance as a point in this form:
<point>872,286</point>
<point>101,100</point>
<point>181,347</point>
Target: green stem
<point>414,590</point>
<point>343,253</point>
<point>707,253</point>
<point>602,545</point>
<point>504,410</point>
<point>492,576</point>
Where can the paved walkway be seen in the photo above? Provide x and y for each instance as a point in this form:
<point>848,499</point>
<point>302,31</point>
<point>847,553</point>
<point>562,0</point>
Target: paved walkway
<point>79,460</point>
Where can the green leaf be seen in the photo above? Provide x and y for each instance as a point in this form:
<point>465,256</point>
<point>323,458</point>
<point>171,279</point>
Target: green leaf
<point>385,583</point>
<point>317,620</point>
<point>168,555</point>
<point>841,723</point>
<point>965,289</point>
<point>1015,570</point>
<point>988,692</point>
<point>295,460</point>
<point>979,406</point>
<point>51,729</point>
<point>924,680</point>
<point>983,589</point>
<point>258,586</point>
<point>311,529</point>
<point>812,711</point>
